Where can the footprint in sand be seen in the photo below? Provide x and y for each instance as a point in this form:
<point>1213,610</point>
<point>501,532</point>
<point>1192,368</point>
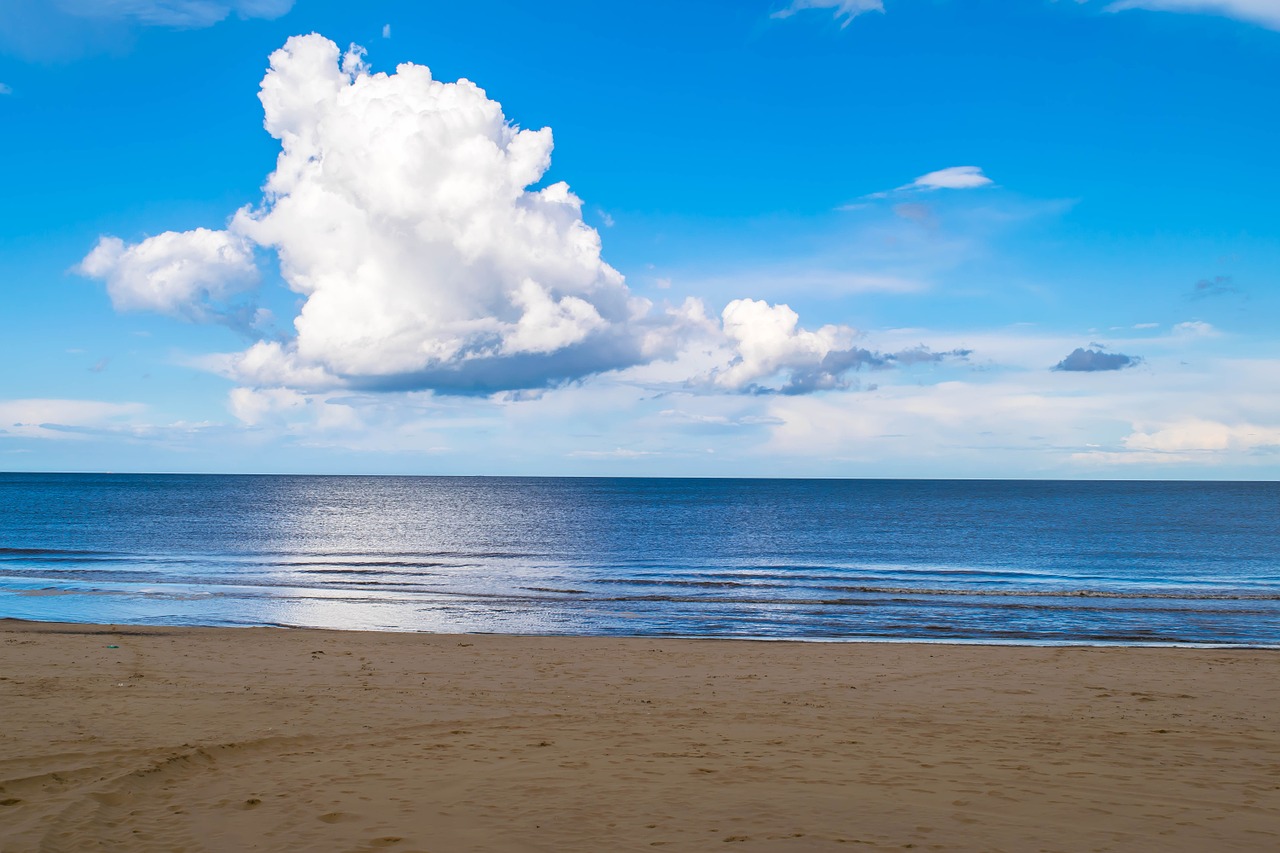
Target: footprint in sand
<point>335,817</point>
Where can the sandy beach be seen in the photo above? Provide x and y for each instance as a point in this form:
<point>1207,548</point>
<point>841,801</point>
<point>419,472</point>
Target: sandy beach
<point>268,739</point>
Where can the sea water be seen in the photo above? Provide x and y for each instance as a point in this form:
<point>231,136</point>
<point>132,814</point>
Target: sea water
<point>957,561</point>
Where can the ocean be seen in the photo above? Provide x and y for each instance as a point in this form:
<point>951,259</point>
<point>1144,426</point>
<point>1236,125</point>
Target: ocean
<point>951,561</point>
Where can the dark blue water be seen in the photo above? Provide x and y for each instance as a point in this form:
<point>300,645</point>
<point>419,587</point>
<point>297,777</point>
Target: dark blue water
<point>1020,561</point>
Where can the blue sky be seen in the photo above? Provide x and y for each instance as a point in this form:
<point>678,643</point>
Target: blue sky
<point>959,238</point>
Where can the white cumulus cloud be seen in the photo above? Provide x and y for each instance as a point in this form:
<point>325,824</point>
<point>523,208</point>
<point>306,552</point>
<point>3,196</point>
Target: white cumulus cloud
<point>183,274</point>
<point>764,349</point>
<point>768,340</point>
<point>1263,12</point>
<point>843,11</point>
<point>403,211</point>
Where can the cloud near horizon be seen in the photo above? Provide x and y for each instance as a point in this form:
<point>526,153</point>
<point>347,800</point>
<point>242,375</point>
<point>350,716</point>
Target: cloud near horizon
<point>62,419</point>
<point>401,211</point>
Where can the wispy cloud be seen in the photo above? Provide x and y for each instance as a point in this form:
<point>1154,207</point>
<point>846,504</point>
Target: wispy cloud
<point>618,453</point>
<point>843,11</point>
<point>950,178</point>
<point>174,13</point>
<point>1265,13</point>
<point>1219,285</point>
<point>63,30</point>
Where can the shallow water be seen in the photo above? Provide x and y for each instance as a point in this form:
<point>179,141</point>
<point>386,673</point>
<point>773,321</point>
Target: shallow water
<point>1022,561</point>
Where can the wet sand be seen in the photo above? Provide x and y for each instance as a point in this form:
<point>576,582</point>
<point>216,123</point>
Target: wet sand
<point>267,739</point>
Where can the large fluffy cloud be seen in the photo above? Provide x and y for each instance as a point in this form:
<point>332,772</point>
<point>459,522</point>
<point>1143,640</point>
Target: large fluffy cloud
<point>401,210</point>
<point>407,214</point>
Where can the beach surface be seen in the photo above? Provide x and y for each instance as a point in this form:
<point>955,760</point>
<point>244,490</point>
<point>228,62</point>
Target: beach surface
<point>190,739</point>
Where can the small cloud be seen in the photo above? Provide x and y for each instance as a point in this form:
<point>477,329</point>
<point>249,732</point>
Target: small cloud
<point>1195,329</point>
<point>386,31</point>
<point>605,218</point>
<point>662,283</point>
<point>950,178</point>
<point>100,366</point>
<point>843,11</point>
<point>189,275</point>
<point>1219,285</point>
<point>1083,360</point>
<point>1146,325</point>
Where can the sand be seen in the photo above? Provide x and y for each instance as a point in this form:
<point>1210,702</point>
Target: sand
<point>270,739</point>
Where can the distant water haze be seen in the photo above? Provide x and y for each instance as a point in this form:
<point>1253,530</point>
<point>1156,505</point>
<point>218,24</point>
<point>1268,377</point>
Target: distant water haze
<point>1012,561</point>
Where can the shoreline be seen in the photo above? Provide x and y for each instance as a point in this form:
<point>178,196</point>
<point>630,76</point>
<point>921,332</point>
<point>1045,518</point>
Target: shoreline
<point>851,640</point>
<point>159,738</point>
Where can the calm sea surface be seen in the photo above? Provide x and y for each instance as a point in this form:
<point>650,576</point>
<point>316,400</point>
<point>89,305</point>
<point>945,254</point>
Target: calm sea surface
<point>1022,561</point>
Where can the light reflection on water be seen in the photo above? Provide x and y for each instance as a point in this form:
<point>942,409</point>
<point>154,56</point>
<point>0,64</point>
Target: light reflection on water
<point>1023,561</point>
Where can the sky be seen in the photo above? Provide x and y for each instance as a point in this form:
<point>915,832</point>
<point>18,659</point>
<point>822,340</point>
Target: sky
<point>816,238</point>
